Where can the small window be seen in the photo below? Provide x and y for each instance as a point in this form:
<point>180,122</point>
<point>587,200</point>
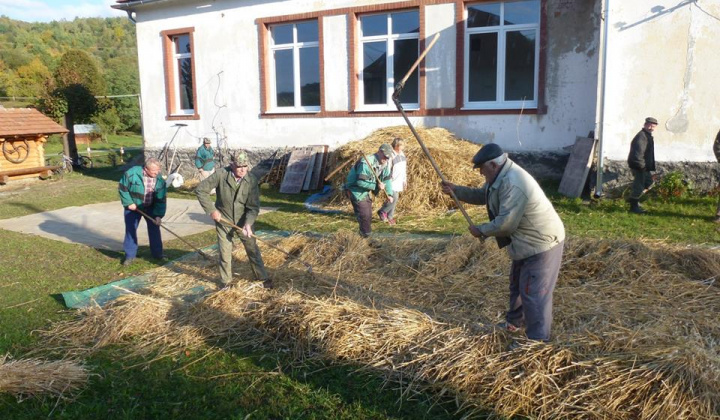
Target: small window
<point>389,46</point>
<point>295,58</point>
<point>501,54</point>
<point>181,95</point>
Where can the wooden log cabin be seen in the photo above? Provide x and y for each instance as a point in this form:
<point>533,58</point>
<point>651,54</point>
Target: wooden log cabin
<point>23,133</point>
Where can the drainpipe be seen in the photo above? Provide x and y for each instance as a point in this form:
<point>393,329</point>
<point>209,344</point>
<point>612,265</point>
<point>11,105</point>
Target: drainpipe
<point>130,16</point>
<point>600,105</point>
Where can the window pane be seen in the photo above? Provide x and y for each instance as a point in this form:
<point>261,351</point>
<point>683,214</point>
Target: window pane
<point>309,77</point>
<point>482,74</point>
<point>307,32</point>
<point>282,34</point>
<point>375,72</point>
<point>483,15</point>
<point>522,12</point>
<point>185,83</point>
<point>406,52</point>
<point>520,66</point>
<point>405,23</point>
<point>284,88</point>
<point>182,44</point>
<point>374,25</point>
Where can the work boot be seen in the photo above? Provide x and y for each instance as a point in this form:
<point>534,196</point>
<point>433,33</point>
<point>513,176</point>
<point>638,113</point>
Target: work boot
<point>268,284</point>
<point>635,207</point>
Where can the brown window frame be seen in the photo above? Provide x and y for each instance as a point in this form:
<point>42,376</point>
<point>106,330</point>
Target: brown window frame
<point>352,14</point>
<point>169,74</point>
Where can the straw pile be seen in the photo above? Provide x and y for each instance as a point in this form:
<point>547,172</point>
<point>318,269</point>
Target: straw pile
<point>33,377</point>
<point>635,334</point>
<point>423,195</point>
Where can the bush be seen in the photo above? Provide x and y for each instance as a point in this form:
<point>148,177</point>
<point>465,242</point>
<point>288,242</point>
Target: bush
<point>673,185</point>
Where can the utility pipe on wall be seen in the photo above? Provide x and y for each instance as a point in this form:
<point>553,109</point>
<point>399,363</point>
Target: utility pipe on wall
<point>600,105</point>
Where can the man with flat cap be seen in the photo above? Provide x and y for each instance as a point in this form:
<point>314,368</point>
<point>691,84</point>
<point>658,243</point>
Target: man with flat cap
<point>641,161</point>
<point>238,202</point>
<point>361,180</point>
<point>523,221</point>
<point>204,159</point>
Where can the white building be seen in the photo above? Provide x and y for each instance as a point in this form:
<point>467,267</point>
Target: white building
<point>524,74</point>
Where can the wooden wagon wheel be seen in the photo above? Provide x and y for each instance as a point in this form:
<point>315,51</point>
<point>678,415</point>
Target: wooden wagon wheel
<point>16,154</point>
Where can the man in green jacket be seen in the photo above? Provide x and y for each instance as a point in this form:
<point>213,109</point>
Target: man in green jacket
<point>361,181</point>
<point>523,220</point>
<point>141,188</point>
<point>238,202</point>
<point>204,159</point>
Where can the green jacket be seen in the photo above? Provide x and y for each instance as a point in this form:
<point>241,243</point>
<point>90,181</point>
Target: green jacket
<point>132,190</point>
<point>238,202</point>
<point>204,158</point>
<point>360,180</point>
<point>521,212</point>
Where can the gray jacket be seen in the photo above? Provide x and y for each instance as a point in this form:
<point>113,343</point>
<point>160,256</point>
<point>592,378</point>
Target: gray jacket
<point>522,212</point>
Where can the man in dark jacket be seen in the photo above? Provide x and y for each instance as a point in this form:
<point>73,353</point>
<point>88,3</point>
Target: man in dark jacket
<point>238,202</point>
<point>716,150</point>
<point>641,161</point>
<point>142,188</point>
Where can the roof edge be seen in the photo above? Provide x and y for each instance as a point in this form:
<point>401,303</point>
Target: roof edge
<point>132,4</point>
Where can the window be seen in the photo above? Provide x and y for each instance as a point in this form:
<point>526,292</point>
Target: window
<point>181,96</point>
<point>388,48</point>
<point>295,58</point>
<point>501,55</point>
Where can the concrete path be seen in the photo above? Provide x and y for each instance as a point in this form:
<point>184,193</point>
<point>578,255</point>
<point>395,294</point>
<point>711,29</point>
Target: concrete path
<point>102,226</point>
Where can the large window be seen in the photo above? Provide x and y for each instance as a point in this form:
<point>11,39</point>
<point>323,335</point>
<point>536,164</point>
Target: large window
<point>388,48</point>
<point>294,51</point>
<point>501,55</point>
<point>180,88</point>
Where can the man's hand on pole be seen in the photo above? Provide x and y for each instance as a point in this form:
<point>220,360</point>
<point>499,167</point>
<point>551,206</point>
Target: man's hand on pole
<point>216,216</point>
<point>447,187</point>
<point>158,220</point>
<point>247,231</point>
<point>475,231</point>
<point>132,207</point>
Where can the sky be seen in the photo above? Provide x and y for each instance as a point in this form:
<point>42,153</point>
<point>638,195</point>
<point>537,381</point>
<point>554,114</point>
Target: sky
<point>49,10</point>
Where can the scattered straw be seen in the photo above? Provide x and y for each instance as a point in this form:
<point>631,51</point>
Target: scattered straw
<point>635,333</point>
<point>33,377</point>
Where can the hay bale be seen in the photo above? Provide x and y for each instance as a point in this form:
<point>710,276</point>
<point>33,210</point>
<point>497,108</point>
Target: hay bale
<point>34,377</point>
<point>423,195</point>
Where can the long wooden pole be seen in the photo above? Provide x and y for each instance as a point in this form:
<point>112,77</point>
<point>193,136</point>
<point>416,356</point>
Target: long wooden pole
<point>150,219</point>
<point>396,99</point>
<point>273,246</point>
<point>336,170</point>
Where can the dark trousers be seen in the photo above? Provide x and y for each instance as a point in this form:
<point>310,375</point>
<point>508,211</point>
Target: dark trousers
<point>130,244</point>
<point>363,213</point>
<point>532,282</point>
<point>642,180</point>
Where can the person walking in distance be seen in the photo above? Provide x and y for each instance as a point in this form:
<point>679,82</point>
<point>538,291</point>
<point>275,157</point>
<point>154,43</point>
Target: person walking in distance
<point>641,161</point>
<point>399,180</point>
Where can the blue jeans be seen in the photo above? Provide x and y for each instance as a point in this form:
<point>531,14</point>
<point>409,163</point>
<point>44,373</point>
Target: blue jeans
<point>532,282</point>
<point>130,244</point>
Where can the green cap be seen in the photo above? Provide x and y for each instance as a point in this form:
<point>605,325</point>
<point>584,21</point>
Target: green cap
<point>386,150</point>
<point>239,159</point>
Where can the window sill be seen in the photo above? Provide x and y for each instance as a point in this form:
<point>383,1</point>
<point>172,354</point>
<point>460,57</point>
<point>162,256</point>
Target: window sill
<point>290,112</point>
<point>174,117</point>
<point>386,109</point>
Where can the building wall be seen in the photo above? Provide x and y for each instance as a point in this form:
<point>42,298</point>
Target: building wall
<point>228,78</point>
<point>663,62</point>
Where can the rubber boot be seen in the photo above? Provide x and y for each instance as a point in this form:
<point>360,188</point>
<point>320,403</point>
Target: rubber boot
<point>635,206</point>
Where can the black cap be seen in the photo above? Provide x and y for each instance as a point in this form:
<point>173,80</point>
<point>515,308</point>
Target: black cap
<point>651,120</point>
<point>486,153</point>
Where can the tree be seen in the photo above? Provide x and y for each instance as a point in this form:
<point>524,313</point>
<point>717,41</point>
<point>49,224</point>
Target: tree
<point>78,82</point>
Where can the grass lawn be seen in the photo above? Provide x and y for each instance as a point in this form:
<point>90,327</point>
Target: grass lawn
<point>243,383</point>
<point>54,144</point>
